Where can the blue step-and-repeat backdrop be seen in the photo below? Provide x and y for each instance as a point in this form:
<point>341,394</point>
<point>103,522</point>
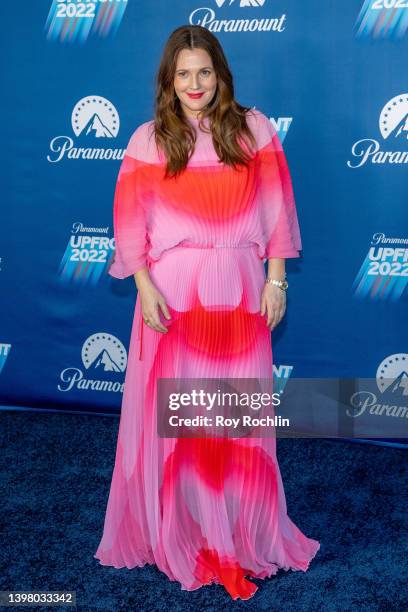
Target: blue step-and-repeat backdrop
<point>79,77</point>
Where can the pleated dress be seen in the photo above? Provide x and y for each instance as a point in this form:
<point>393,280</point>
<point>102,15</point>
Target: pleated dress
<point>204,510</point>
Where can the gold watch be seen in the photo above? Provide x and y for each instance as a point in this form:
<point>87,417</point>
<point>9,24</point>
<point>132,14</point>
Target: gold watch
<point>282,284</point>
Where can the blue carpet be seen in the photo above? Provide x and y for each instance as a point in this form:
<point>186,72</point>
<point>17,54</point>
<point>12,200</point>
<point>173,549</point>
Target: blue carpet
<point>56,471</point>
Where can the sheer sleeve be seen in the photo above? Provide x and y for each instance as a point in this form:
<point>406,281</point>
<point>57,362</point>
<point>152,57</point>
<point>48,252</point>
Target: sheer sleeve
<point>129,215</point>
<point>280,226</point>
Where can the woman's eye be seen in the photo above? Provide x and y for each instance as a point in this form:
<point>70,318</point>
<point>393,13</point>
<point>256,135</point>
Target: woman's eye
<point>204,72</point>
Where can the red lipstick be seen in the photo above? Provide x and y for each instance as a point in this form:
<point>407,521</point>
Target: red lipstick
<point>195,96</point>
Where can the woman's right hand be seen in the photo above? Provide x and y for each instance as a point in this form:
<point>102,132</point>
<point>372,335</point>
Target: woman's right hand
<point>152,301</point>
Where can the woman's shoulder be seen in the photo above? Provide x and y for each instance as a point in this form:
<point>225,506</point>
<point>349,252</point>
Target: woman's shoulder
<point>142,143</point>
<point>261,126</point>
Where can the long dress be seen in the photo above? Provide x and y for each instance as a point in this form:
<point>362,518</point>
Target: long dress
<point>204,510</point>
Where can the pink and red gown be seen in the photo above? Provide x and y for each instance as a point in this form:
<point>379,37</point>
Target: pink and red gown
<point>204,510</point>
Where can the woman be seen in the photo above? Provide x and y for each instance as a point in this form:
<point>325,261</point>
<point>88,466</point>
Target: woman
<point>203,197</point>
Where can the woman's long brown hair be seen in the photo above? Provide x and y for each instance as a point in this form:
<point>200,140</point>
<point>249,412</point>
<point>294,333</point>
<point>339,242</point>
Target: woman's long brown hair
<point>227,118</point>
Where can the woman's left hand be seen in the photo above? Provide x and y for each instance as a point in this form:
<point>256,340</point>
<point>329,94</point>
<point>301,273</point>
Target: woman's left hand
<point>273,303</point>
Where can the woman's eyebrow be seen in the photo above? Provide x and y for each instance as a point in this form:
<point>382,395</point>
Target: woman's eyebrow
<point>202,68</point>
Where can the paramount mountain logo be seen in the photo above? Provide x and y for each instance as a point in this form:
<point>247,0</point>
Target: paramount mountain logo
<point>93,118</point>
<point>392,382</point>
<point>392,374</point>
<point>393,125</point>
<point>394,118</point>
<point>399,386</point>
<point>103,356</point>
<point>105,362</point>
<point>401,130</point>
<point>95,127</point>
<point>206,17</point>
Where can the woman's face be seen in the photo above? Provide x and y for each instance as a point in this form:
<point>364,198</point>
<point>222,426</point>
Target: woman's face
<point>194,75</point>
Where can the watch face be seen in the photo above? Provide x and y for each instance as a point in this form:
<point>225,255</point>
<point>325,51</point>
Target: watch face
<point>284,284</point>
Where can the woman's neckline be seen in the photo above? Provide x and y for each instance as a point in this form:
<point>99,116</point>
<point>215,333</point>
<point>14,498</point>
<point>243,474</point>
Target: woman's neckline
<point>196,119</point>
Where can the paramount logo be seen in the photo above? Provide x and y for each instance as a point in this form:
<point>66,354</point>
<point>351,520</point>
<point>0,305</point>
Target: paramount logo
<point>393,126</point>
<point>94,119</point>
<point>206,17</point>
<point>105,358</point>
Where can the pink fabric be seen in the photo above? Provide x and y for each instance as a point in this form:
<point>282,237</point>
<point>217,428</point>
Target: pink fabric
<point>203,510</point>
<point>210,204</point>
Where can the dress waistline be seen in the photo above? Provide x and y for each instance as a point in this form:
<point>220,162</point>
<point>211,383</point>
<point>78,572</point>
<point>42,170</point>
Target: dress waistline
<point>217,246</point>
